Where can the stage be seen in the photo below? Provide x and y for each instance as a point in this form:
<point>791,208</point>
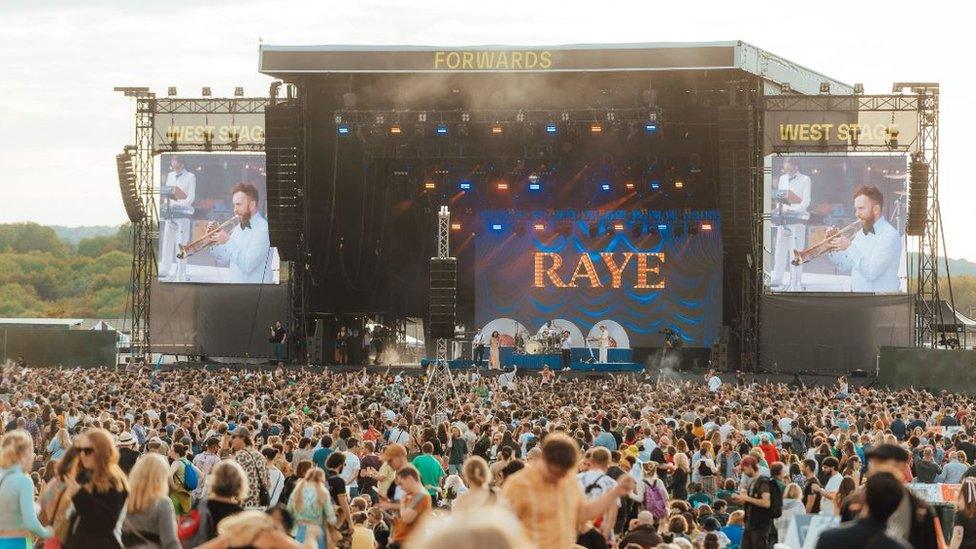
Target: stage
<point>620,360</point>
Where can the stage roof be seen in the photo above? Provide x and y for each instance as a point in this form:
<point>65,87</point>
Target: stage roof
<point>295,62</point>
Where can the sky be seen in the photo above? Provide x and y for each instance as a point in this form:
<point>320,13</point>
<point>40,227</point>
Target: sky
<point>61,124</point>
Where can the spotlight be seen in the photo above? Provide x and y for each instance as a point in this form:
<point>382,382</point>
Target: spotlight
<point>650,127</point>
<point>465,117</point>
<point>539,227</point>
<point>520,117</point>
<point>239,91</point>
<point>171,91</point>
<point>343,129</point>
<point>502,186</point>
<point>441,129</point>
<point>604,186</point>
<point>464,185</point>
<point>652,117</point>
<point>679,184</point>
<point>430,185</point>
<point>496,129</point>
<point>550,128</point>
<point>662,227</point>
<point>825,87</point>
<point>858,88</point>
<point>496,227</point>
<point>618,226</point>
<point>455,226</point>
<point>596,128</point>
<point>655,185</point>
<point>629,185</point>
<point>396,130</point>
<point>422,117</point>
<point>706,226</point>
<point>535,187</point>
<point>564,117</point>
<point>205,91</point>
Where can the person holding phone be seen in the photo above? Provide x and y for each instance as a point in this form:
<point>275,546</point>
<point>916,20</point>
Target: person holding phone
<point>98,489</point>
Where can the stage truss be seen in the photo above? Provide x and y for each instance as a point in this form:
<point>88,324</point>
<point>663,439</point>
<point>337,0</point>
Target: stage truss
<point>145,233</point>
<point>921,99</point>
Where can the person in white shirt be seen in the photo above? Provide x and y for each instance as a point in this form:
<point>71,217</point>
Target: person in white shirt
<point>828,505</point>
<point>873,255</point>
<point>565,348</point>
<point>604,340</point>
<point>247,248</point>
<point>175,215</point>
<point>791,236</point>
<point>276,479</point>
<point>350,470</point>
<point>478,345</point>
<point>714,382</point>
<point>595,482</point>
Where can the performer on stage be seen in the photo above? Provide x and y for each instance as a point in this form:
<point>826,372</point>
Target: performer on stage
<point>873,255</point>
<point>479,347</point>
<point>791,236</point>
<point>494,351</point>
<point>176,215</point>
<point>565,346</point>
<point>247,248</point>
<point>604,341</point>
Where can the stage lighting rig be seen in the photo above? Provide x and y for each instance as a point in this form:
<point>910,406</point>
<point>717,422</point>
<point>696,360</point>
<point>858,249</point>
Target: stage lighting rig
<point>171,91</point>
<point>239,91</point>
<point>205,92</point>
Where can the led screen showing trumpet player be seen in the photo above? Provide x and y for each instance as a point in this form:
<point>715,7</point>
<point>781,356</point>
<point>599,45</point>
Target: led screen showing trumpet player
<point>836,223</point>
<point>646,271</point>
<point>213,220</point>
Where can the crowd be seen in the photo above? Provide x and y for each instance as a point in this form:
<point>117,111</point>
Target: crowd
<point>310,458</point>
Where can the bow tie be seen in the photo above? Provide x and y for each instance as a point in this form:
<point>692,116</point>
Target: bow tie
<point>245,224</point>
<point>867,230</point>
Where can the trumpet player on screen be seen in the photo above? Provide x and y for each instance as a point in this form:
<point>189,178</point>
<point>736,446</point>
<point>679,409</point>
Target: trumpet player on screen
<point>246,248</point>
<point>872,255</point>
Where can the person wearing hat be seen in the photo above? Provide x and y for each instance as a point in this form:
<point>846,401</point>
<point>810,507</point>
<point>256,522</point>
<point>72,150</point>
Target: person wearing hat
<point>127,451</point>
<point>912,522</point>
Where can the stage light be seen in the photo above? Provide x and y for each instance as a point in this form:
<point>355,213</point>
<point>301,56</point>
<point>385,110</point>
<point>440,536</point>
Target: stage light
<point>679,184</point>
<point>825,87</point>
<point>239,91</point>
<point>652,117</point>
<point>496,226</point>
<point>171,91</point>
<point>502,186</point>
<point>430,185</point>
<point>650,128</point>
<point>550,128</point>
<point>535,186</point>
<point>520,117</point>
<point>465,117</point>
<point>441,129</point>
<point>496,130</point>
<point>539,227</point>
<point>655,185</point>
<point>422,117</point>
<point>343,129</point>
<point>396,130</point>
<point>596,128</point>
<point>662,227</point>
<point>706,226</point>
<point>604,186</point>
<point>464,185</point>
<point>858,88</point>
<point>629,185</point>
<point>618,226</point>
<point>205,91</point>
<point>564,117</point>
<point>455,226</point>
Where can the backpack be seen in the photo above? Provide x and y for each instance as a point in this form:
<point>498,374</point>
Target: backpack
<point>196,527</point>
<point>190,478</point>
<point>653,501</point>
<point>775,498</point>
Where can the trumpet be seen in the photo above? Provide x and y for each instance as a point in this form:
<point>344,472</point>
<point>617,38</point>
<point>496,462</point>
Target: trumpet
<point>204,242</point>
<point>820,248</point>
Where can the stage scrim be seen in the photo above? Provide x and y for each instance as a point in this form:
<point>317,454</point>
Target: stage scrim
<point>215,319</point>
<point>831,333</point>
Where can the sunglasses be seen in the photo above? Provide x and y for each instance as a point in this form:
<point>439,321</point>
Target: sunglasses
<point>86,451</point>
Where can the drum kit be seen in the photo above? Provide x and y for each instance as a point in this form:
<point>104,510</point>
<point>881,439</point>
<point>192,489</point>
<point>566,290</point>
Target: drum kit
<point>546,342</point>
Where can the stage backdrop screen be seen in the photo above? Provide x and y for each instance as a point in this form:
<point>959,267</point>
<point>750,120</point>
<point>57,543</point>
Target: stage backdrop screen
<point>638,273</point>
<point>809,195</point>
<point>198,191</point>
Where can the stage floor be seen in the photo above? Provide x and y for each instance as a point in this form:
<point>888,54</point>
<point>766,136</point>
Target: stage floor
<point>537,362</point>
